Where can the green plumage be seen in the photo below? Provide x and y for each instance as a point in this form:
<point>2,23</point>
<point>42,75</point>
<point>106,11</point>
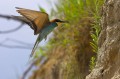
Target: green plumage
<point>43,35</point>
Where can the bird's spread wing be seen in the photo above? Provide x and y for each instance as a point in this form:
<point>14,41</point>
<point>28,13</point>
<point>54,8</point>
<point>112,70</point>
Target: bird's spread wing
<point>25,20</point>
<point>39,19</point>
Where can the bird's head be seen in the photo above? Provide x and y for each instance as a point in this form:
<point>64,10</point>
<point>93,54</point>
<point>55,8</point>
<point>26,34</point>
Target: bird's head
<point>59,21</point>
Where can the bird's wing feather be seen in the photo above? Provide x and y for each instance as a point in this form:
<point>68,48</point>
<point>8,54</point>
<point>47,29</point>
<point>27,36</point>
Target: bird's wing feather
<point>25,20</point>
<point>38,18</point>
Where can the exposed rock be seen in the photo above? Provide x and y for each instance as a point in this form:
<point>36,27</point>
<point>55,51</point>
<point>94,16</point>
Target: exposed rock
<point>108,61</point>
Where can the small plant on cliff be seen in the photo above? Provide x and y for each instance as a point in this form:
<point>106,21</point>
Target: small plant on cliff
<point>96,30</point>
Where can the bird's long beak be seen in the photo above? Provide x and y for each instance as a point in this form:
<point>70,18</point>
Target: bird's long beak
<point>64,21</point>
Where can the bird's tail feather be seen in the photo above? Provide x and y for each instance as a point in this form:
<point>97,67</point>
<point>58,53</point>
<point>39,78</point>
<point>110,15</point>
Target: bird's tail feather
<point>35,45</point>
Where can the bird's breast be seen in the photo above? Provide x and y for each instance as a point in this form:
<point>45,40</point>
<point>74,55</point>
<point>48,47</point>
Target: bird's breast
<point>49,28</point>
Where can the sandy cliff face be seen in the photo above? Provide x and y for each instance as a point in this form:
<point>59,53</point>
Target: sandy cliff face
<point>108,62</point>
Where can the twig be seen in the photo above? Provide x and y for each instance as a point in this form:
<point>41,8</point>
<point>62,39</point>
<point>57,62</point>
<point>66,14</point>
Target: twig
<point>15,46</point>
<point>43,61</point>
<point>24,45</point>
<point>10,17</point>
<point>20,42</point>
<point>13,30</point>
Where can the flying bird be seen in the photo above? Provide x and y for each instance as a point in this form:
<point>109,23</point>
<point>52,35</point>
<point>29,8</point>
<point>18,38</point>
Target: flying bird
<point>39,22</point>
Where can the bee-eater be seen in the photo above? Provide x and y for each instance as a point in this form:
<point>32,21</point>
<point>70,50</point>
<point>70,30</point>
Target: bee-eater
<point>39,22</point>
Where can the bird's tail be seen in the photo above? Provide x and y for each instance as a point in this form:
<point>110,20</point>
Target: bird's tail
<point>35,45</point>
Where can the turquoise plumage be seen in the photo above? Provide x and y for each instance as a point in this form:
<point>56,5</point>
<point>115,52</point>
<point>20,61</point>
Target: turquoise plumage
<point>43,34</point>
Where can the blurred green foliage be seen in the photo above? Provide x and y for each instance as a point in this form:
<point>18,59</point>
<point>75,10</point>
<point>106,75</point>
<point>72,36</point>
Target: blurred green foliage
<point>41,9</point>
<point>74,10</point>
<point>69,34</point>
<point>92,63</point>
